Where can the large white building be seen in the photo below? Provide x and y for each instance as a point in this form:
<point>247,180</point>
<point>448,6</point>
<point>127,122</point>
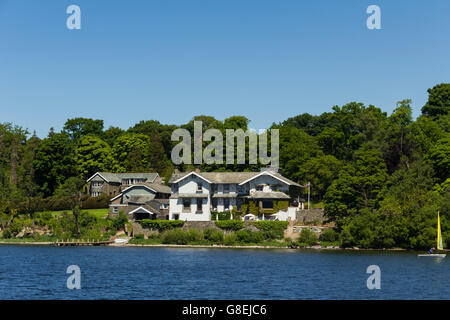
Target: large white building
<point>195,195</point>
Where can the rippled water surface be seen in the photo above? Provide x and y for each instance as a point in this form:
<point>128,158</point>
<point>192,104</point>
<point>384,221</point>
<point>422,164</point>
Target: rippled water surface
<point>38,272</point>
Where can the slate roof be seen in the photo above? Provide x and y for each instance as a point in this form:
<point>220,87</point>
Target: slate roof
<point>268,195</point>
<point>117,177</point>
<point>231,177</point>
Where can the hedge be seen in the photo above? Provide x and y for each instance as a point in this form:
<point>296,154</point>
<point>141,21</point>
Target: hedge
<point>271,229</point>
<point>230,224</point>
<point>161,225</point>
<point>64,203</point>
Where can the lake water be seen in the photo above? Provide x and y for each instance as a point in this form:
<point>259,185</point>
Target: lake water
<point>38,272</point>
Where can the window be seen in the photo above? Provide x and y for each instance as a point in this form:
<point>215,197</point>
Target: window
<point>115,210</point>
<point>186,204</point>
<point>240,189</point>
<point>226,204</point>
<point>259,187</point>
<point>267,204</point>
<point>199,187</point>
<point>214,188</point>
<point>199,205</point>
<point>214,204</point>
<point>226,188</point>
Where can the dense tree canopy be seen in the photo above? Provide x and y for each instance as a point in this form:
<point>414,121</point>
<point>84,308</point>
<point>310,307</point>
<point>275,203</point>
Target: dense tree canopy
<point>381,177</point>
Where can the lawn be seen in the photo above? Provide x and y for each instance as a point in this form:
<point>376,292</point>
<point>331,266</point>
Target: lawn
<point>99,213</point>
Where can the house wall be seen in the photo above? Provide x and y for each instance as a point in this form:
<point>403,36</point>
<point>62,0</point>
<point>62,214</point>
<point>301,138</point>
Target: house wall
<point>189,185</point>
<point>106,187</point>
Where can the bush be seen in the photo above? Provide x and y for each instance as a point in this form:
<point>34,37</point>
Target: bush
<point>229,239</point>
<point>139,236</point>
<point>161,225</point>
<point>329,235</point>
<point>307,237</point>
<point>120,221</point>
<point>247,236</point>
<point>178,236</point>
<point>213,235</point>
<point>230,224</point>
<point>272,229</point>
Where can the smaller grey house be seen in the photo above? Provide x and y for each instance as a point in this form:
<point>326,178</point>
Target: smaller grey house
<point>113,183</point>
<point>142,201</point>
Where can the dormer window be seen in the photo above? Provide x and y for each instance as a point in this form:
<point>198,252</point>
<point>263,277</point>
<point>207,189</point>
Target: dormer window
<point>226,188</point>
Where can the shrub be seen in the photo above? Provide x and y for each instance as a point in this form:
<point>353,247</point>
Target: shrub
<point>247,236</point>
<point>213,235</point>
<point>307,237</point>
<point>329,235</point>
<point>230,224</point>
<point>161,225</point>
<point>139,236</point>
<point>120,220</point>
<point>229,239</point>
<point>178,236</point>
<point>272,229</point>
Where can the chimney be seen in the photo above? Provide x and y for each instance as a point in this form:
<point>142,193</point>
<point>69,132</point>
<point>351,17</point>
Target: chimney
<point>197,170</point>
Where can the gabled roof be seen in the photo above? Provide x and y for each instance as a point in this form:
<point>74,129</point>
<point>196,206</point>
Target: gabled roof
<point>231,177</point>
<point>274,175</point>
<point>117,177</point>
<point>141,208</point>
<point>153,187</point>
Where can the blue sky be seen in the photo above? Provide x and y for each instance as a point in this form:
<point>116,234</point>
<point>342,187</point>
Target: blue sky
<point>170,60</point>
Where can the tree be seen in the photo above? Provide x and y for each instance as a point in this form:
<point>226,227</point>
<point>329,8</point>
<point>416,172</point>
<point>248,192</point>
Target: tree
<point>111,134</point>
<point>131,152</point>
<point>80,127</point>
<point>72,188</point>
<point>358,185</point>
<point>321,171</point>
<point>93,155</point>
<point>236,122</point>
<point>54,162</point>
<point>438,103</point>
<point>439,158</point>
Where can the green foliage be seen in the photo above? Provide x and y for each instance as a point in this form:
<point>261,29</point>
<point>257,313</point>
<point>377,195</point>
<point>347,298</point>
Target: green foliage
<point>93,155</point>
<point>271,229</point>
<point>230,224</point>
<point>131,152</point>
<point>213,235</point>
<point>329,235</point>
<point>438,103</point>
<point>78,128</point>
<point>247,236</point>
<point>161,225</point>
<point>54,162</point>
<point>307,237</point>
<point>179,236</point>
<point>221,215</point>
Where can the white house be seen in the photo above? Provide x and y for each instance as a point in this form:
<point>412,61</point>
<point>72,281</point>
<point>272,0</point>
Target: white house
<point>196,194</point>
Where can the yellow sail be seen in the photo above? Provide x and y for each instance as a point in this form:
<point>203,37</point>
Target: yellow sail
<point>439,237</point>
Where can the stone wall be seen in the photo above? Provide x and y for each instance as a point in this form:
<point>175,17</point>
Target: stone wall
<point>313,215</point>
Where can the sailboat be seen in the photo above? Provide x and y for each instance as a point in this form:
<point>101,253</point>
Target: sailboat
<point>438,243</point>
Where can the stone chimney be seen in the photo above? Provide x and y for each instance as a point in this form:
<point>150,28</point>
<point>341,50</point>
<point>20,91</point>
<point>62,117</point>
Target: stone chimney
<point>197,170</point>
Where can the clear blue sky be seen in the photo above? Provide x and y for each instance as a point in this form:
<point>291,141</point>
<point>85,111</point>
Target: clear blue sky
<point>170,60</point>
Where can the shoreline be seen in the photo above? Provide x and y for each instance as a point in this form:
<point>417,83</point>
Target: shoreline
<point>200,246</point>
